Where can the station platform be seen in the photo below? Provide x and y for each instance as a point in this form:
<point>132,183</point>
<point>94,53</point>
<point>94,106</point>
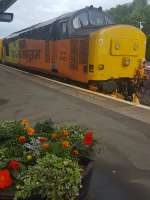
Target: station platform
<point>122,169</point>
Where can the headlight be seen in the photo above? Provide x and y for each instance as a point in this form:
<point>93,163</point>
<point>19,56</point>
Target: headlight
<point>126,61</point>
<point>91,68</point>
<point>100,67</point>
<point>117,46</point>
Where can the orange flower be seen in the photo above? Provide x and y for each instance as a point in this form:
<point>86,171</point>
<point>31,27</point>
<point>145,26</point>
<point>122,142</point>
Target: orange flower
<point>54,136</point>
<point>65,144</point>
<point>45,146</point>
<point>30,131</point>
<point>22,139</point>
<point>75,153</point>
<point>25,122</point>
<point>66,133</point>
<point>43,139</point>
<point>5,179</point>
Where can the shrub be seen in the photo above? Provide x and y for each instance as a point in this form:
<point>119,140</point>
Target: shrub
<point>8,130</point>
<point>44,160</point>
<point>51,178</point>
<point>44,126</point>
<point>148,48</point>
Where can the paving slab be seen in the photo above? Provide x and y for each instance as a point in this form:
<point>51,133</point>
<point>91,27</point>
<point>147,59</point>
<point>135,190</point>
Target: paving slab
<point>122,170</point>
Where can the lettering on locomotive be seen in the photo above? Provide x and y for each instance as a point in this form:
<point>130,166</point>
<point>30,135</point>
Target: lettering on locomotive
<point>29,55</point>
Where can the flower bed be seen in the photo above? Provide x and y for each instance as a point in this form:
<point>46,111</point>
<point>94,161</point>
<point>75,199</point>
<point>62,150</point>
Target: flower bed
<point>45,162</point>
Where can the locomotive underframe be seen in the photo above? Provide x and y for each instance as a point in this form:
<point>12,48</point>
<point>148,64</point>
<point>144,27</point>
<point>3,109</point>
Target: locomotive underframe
<point>124,86</point>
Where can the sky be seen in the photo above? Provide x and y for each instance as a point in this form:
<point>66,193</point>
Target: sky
<point>30,12</point>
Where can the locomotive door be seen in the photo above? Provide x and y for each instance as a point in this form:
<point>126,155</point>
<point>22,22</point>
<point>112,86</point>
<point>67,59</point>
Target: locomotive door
<point>79,59</point>
<point>62,48</point>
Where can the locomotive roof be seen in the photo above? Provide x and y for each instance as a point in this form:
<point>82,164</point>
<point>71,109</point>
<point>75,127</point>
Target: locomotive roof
<point>51,21</point>
<point>43,24</point>
<point>46,23</point>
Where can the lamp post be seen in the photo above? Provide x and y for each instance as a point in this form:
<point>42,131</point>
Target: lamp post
<point>141,25</point>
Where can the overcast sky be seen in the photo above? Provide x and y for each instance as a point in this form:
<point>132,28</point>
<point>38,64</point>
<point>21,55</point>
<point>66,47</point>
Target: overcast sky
<point>29,12</point>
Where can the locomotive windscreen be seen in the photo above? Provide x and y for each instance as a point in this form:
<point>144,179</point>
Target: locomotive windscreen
<point>92,17</point>
<point>96,17</point>
<point>81,20</point>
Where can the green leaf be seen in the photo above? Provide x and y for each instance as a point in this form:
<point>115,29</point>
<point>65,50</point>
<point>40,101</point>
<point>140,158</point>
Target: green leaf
<point>3,164</point>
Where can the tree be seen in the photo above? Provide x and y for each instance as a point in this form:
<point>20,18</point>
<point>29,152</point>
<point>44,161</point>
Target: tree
<point>139,3</point>
<point>133,14</point>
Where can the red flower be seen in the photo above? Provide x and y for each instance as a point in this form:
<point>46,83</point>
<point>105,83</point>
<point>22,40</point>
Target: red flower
<point>88,138</point>
<point>5,179</point>
<point>75,153</point>
<point>13,164</point>
<point>43,139</point>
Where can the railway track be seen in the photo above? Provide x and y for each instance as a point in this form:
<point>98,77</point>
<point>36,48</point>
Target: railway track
<point>72,85</point>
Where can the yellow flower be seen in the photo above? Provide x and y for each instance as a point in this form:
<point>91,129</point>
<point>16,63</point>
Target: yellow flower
<point>65,144</point>
<point>29,157</point>
<point>30,131</point>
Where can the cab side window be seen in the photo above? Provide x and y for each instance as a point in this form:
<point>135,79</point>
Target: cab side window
<point>7,49</point>
<point>62,30</point>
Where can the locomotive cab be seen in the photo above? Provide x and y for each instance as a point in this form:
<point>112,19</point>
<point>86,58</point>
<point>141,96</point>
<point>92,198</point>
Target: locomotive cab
<point>115,53</point>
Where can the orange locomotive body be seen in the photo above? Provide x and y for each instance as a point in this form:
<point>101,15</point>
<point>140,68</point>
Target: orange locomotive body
<point>85,46</point>
<point>66,58</point>
<point>57,46</point>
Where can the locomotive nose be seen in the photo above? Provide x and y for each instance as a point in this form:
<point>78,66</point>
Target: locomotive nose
<point>115,52</point>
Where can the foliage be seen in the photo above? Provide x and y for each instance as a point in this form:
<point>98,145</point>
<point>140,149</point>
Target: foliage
<point>133,14</point>
<point>148,48</point>
<point>51,178</point>
<point>7,128</point>
<point>44,126</point>
<point>31,156</point>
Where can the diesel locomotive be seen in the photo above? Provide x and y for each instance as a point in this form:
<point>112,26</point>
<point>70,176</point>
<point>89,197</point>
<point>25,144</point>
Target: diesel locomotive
<point>85,46</point>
